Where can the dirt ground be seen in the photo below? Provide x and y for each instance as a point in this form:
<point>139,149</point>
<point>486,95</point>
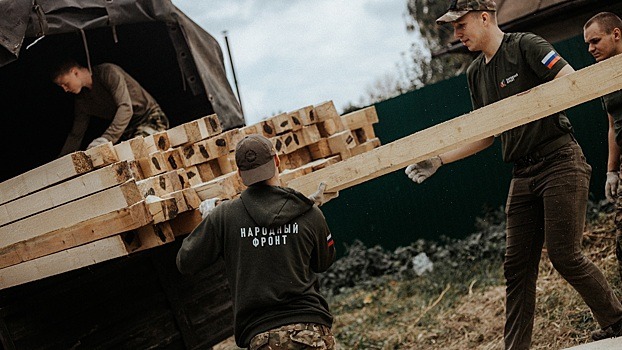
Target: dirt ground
<point>395,314</point>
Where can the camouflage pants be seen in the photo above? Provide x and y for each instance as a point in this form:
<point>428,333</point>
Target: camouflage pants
<point>299,336</point>
<point>152,122</point>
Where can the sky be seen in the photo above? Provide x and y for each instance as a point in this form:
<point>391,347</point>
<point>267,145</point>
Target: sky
<point>289,54</point>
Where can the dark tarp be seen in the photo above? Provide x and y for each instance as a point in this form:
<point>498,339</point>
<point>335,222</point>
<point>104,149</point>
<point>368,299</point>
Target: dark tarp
<point>177,61</point>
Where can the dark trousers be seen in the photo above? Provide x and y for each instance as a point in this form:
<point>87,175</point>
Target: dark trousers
<point>546,205</point>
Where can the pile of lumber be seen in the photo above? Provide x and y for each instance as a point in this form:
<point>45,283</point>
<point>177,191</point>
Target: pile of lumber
<point>111,201</point>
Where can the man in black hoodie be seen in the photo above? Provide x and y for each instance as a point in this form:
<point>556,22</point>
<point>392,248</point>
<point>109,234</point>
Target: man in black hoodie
<point>273,241</point>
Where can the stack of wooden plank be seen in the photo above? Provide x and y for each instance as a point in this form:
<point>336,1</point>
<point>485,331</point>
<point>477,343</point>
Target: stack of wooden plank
<point>111,201</point>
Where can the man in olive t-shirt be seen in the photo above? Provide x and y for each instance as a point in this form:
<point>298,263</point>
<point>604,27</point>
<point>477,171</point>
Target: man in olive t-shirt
<point>549,189</point>
<point>109,93</point>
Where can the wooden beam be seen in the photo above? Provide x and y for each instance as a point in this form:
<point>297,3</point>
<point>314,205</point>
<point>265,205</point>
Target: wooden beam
<point>325,111</point>
<point>267,128</point>
<point>102,155</point>
<point>153,165</point>
<point>132,149</point>
<point>184,223</point>
<point>223,187</point>
<point>306,115</point>
<point>102,226</point>
<point>67,215</point>
<point>212,124</point>
<point>197,153</point>
<point>358,119</point>
<point>173,159</point>
<point>203,172</point>
<point>552,97</point>
<point>45,175</point>
<point>226,164</point>
<point>366,146</point>
<point>192,198</point>
<point>65,192</point>
<point>190,132</point>
<point>157,142</point>
<point>147,237</point>
<point>364,134</point>
<point>308,135</point>
<point>162,209</point>
<point>233,136</point>
<point>160,185</point>
<point>56,171</point>
<point>63,261</point>
<point>282,123</point>
<point>320,149</point>
<point>180,200</point>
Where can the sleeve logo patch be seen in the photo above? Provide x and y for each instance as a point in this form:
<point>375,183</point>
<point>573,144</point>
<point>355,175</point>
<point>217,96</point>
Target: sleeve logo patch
<point>550,59</point>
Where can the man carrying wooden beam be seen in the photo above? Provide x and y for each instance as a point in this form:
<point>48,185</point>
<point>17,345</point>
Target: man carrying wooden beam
<point>603,34</point>
<point>273,240</point>
<point>109,93</point>
<point>548,193</point>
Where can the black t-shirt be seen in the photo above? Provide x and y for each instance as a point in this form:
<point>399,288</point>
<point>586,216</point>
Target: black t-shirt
<point>523,61</point>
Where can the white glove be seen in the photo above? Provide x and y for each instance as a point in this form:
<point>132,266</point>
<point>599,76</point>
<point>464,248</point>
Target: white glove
<point>319,197</point>
<point>98,141</point>
<point>611,186</point>
<point>207,206</point>
<point>420,171</point>
<point>152,199</point>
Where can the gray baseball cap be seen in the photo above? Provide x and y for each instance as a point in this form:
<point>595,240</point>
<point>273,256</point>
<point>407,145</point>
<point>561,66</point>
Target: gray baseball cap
<point>459,8</point>
<point>254,156</point>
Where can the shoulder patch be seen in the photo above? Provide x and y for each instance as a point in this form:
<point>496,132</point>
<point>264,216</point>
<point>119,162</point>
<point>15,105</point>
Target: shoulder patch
<point>550,59</point>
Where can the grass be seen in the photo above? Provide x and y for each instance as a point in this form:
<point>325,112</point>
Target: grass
<point>460,305</point>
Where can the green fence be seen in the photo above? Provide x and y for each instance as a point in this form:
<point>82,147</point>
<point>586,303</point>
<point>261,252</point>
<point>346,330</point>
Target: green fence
<point>392,211</point>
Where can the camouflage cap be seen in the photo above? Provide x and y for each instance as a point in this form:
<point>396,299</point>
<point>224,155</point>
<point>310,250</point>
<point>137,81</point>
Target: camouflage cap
<point>459,8</point>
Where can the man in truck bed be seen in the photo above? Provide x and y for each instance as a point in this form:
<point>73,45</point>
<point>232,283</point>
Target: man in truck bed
<point>107,93</point>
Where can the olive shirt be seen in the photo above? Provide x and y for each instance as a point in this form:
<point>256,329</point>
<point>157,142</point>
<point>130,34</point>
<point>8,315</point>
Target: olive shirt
<point>523,61</point>
<point>114,96</point>
<point>613,106</point>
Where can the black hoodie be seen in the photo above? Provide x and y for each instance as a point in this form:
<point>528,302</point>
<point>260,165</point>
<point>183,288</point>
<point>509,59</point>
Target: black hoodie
<point>273,241</point>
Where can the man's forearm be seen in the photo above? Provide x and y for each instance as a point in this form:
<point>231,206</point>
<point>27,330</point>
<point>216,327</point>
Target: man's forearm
<point>467,150</point>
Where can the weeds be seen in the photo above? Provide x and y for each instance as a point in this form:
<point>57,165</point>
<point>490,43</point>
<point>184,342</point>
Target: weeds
<point>380,302</point>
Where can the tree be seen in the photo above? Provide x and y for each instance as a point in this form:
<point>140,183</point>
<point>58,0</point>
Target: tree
<point>422,15</point>
<point>418,67</point>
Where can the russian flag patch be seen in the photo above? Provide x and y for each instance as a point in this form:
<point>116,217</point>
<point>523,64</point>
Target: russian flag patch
<point>329,240</point>
<point>550,59</point>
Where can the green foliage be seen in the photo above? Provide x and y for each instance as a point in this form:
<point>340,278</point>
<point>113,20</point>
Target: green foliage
<point>455,261</point>
<point>422,15</point>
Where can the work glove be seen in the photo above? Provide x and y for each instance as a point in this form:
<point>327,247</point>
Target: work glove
<point>418,172</point>
<point>611,186</point>
<point>152,199</point>
<point>207,206</point>
<point>319,197</point>
<point>98,141</point>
